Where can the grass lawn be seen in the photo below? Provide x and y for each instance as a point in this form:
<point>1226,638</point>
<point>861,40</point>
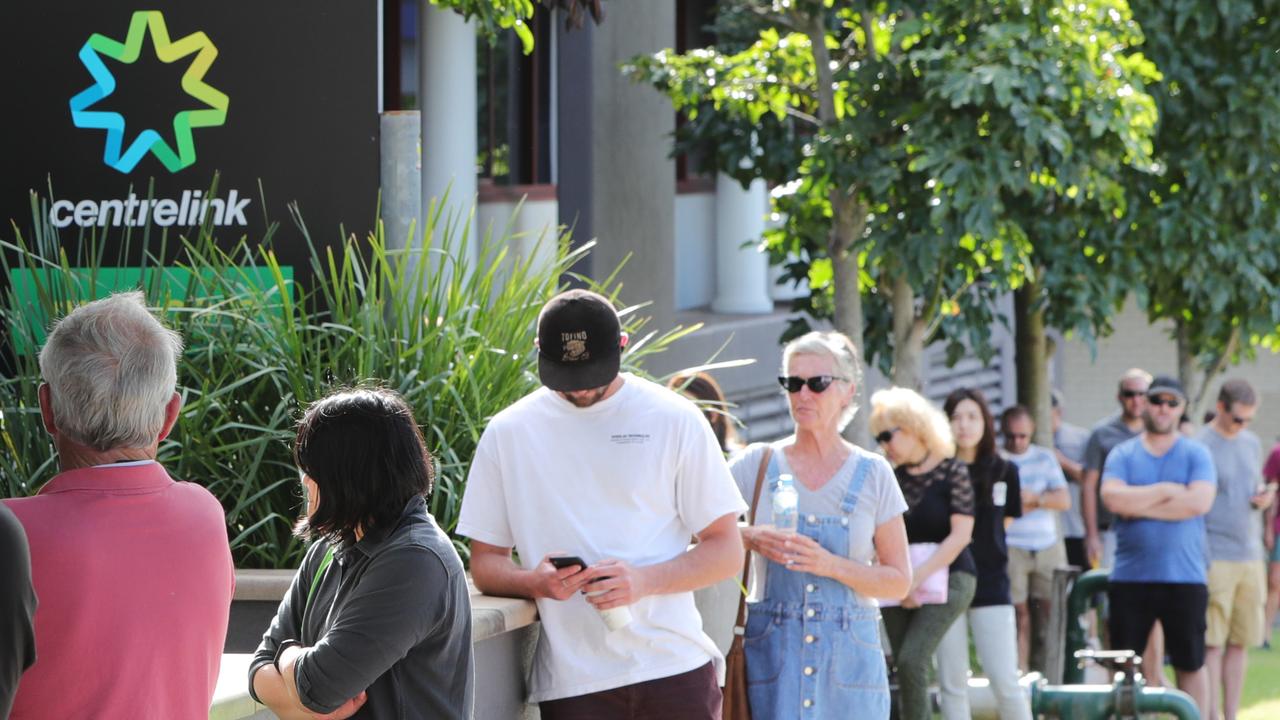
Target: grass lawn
<point>1261,698</point>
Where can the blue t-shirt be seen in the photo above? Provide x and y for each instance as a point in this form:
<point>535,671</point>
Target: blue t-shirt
<point>1166,551</point>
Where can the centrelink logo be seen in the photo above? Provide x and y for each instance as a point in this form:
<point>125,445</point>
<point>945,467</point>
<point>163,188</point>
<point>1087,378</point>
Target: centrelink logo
<point>167,51</point>
<point>132,211</point>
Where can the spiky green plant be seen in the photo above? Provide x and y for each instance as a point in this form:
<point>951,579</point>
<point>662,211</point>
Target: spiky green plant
<point>453,334</point>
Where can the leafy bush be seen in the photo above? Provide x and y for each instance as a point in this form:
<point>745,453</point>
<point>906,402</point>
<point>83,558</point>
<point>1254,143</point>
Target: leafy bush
<point>454,336</point>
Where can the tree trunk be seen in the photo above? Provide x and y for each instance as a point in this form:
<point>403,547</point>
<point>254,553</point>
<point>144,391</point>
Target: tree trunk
<point>848,223</point>
<point>908,336</point>
<point>1032,361</point>
<point>1197,384</point>
<point>1188,374</point>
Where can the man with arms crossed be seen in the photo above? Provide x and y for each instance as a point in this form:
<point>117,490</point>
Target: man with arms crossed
<point>1237,586</point>
<point>132,569</point>
<point>1035,546</point>
<point>1160,485</point>
<point>1099,541</point>
<point>621,473</point>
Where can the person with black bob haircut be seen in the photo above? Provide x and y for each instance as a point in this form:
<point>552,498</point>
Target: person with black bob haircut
<point>378,618</point>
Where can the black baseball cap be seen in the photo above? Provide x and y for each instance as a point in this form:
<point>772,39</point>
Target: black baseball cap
<point>1166,385</point>
<point>579,341</point>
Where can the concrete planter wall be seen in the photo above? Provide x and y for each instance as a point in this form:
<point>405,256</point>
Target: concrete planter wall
<point>504,630</point>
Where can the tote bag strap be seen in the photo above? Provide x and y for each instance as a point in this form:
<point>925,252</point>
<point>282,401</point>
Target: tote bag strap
<point>740,623</point>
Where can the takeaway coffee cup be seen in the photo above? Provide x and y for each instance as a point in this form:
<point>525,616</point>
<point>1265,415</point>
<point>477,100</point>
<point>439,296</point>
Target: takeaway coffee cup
<point>614,618</point>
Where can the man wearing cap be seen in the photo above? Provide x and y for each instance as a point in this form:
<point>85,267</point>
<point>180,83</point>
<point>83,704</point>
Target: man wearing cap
<point>622,473</point>
<point>1160,485</point>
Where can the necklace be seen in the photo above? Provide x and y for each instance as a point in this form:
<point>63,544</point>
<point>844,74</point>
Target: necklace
<point>922,461</point>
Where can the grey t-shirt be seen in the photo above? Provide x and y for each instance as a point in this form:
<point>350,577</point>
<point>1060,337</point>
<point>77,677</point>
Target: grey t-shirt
<point>1105,435</point>
<point>1071,440</point>
<point>1233,525</point>
<point>879,500</point>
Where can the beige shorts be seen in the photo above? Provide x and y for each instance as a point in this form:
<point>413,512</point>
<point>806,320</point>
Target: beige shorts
<point>1032,570</point>
<point>1237,598</point>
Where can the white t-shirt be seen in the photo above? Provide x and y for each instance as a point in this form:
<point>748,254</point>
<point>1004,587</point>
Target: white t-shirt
<point>632,477</point>
<point>878,502</point>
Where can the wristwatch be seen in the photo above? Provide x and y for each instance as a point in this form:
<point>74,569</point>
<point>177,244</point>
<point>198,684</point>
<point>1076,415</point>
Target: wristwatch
<point>275,661</point>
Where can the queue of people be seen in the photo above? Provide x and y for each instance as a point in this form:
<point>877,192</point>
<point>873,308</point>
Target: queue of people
<point>607,500</point>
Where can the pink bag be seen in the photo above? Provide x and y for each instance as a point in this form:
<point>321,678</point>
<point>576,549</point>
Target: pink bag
<point>933,590</point>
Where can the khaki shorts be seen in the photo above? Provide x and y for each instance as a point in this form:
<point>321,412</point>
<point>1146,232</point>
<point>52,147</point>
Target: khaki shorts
<point>1032,570</point>
<point>1237,598</point>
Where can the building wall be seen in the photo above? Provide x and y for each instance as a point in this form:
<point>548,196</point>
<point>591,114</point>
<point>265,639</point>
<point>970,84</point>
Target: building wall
<point>633,179</point>
<point>1089,381</point>
<point>695,234</point>
<point>533,224</point>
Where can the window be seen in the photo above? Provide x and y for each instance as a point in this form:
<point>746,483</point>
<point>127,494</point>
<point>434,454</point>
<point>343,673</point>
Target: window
<point>513,94</point>
<point>513,103</point>
<point>693,30</point>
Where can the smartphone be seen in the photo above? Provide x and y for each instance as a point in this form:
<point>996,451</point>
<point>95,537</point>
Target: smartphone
<point>563,561</point>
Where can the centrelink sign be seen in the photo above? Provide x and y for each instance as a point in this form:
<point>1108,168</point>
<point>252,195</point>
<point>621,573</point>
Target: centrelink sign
<point>129,113</point>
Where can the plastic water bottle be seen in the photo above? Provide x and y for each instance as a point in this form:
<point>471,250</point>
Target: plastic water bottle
<point>786,514</point>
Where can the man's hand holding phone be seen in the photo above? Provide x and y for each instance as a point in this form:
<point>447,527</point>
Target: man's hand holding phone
<point>560,576</point>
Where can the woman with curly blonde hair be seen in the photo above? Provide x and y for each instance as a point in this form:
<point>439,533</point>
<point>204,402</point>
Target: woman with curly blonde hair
<point>916,438</point>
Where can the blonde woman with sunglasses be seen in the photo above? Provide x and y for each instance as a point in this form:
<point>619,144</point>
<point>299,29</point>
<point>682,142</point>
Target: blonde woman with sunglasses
<point>812,636</point>
<point>917,439</point>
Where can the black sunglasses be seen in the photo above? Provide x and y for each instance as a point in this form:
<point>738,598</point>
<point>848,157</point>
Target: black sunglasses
<point>884,436</point>
<point>1172,402</point>
<point>817,383</point>
<point>1131,394</point>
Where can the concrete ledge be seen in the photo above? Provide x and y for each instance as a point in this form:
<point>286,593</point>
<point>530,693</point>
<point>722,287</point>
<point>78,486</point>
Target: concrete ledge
<point>496,615</point>
<point>263,585</point>
<point>231,699</point>
<point>490,617</point>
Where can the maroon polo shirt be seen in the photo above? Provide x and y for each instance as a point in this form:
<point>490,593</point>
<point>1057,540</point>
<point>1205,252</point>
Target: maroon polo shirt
<point>134,576</point>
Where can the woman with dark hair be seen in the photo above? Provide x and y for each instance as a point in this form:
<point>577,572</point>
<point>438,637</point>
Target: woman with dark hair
<point>997,500</point>
<point>378,618</point>
<point>706,393</point>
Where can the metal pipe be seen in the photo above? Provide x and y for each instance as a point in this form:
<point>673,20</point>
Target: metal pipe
<point>1093,702</point>
<point>1078,602</point>
<point>1168,700</point>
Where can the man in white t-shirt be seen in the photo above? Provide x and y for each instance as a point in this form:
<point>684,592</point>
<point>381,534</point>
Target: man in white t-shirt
<point>1035,544</point>
<point>622,473</point>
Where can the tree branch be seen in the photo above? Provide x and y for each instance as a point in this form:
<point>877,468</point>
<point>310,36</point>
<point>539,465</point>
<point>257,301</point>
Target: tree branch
<point>868,28</point>
<point>773,17</point>
<point>929,309</point>
<point>1218,366</point>
<point>804,116</point>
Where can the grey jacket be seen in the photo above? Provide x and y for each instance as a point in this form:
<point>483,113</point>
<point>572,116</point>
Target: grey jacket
<point>390,616</point>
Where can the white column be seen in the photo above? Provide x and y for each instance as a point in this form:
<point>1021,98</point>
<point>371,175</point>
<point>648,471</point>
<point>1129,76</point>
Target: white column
<point>447,97</point>
<point>742,273</point>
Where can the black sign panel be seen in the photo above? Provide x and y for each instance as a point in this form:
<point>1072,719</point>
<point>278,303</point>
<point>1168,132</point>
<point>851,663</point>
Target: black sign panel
<point>129,110</point>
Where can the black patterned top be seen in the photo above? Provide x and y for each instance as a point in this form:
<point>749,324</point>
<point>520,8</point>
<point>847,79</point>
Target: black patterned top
<point>932,498</point>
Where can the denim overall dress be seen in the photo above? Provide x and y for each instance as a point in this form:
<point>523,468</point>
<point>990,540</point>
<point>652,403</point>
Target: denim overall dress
<point>812,651</point>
